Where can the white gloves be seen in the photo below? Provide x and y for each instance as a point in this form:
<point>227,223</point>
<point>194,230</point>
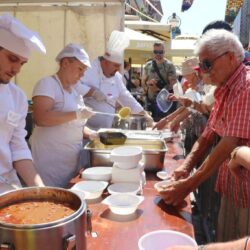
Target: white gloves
<point>84,113</point>
<point>93,135</point>
<point>99,96</point>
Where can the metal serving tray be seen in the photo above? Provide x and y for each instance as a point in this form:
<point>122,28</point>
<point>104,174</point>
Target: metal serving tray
<point>153,152</point>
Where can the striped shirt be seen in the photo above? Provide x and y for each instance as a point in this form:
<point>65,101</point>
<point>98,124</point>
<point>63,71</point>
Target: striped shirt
<point>231,117</point>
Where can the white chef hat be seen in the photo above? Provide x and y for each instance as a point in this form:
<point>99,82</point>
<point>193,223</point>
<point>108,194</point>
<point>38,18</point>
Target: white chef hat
<point>17,38</point>
<point>118,42</point>
<point>74,50</point>
<point>189,65</point>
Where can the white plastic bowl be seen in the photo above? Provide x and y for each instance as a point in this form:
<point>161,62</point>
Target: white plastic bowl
<point>97,173</point>
<point>123,204</point>
<point>162,239</point>
<point>124,187</point>
<point>163,175</point>
<point>79,193</point>
<point>161,185</point>
<point>91,189</point>
<point>126,156</point>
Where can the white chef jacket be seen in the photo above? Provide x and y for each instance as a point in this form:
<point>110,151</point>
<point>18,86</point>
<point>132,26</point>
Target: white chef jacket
<point>115,91</point>
<point>13,111</point>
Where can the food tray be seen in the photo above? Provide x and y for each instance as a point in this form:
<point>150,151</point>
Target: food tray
<point>153,152</point>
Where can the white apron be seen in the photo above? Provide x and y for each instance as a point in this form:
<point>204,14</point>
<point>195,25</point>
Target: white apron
<point>56,149</point>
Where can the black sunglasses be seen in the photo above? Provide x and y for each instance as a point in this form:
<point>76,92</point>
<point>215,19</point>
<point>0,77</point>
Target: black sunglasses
<point>206,65</point>
<point>159,52</point>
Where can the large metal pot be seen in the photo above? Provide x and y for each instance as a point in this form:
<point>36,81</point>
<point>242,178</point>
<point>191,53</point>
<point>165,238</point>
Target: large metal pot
<point>66,233</point>
<point>134,122</point>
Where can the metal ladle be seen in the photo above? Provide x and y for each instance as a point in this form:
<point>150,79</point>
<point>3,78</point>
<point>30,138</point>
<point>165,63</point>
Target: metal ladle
<point>123,113</point>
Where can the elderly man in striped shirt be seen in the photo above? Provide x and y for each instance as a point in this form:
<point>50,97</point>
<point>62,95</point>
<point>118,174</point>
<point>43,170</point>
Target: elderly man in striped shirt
<point>221,55</point>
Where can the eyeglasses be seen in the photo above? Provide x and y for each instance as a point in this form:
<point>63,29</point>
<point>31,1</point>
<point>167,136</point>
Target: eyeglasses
<point>207,65</point>
<point>158,52</point>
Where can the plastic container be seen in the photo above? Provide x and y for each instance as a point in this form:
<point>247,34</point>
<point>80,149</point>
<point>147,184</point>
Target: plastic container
<point>126,157</point>
<point>123,204</point>
<point>124,187</point>
<point>162,101</point>
<point>91,189</point>
<point>97,173</point>
<point>163,239</point>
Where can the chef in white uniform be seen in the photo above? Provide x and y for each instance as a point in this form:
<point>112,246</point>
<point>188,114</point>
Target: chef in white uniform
<point>60,114</point>
<point>16,44</point>
<point>104,76</point>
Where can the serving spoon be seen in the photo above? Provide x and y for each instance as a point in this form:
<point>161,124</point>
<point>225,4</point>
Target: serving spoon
<point>123,113</point>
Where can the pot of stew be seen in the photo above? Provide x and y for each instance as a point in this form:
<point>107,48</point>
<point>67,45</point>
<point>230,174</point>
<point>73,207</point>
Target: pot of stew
<point>42,219</point>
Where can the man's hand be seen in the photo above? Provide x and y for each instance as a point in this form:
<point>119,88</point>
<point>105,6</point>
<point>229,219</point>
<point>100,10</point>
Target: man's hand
<point>161,124</point>
<point>180,173</point>
<point>99,96</point>
<point>235,168</point>
<point>184,101</point>
<point>152,84</point>
<point>174,126</point>
<point>172,98</point>
<point>176,192</point>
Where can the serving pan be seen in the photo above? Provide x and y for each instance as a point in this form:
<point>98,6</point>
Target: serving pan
<point>153,152</point>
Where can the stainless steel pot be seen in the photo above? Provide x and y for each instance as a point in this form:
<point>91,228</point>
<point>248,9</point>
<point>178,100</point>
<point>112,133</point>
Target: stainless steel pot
<point>67,233</point>
<point>134,122</point>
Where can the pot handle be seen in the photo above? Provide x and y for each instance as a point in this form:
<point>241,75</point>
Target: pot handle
<point>89,222</point>
<point>69,242</point>
<point>6,246</point>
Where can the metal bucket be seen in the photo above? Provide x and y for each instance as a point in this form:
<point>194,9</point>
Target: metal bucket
<point>67,233</point>
<point>134,122</point>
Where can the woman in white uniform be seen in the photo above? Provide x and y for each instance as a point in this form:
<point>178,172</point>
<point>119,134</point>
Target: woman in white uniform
<point>60,115</point>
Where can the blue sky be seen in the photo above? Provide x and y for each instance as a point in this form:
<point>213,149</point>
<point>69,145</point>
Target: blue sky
<point>195,19</point>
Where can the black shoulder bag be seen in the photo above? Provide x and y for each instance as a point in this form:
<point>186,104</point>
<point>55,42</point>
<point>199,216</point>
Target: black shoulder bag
<point>130,85</point>
<point>160,83</point>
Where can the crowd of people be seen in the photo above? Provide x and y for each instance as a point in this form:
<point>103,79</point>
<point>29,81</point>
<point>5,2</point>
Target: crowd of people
<point>213,116</point>
<point>212,110</point>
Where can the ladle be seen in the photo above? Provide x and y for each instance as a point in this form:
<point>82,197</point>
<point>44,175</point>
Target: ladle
<point>123,113</point>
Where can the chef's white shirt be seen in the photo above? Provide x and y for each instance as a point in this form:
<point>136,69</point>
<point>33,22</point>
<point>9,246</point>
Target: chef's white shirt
<point>115,91</point>
<point>13,111</point>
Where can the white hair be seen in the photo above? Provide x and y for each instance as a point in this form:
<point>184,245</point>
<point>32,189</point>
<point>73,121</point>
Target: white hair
<point>219,41</point>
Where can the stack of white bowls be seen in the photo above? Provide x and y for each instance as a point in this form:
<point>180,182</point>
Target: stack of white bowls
<point>127,178</point>
<point>128,165</point>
